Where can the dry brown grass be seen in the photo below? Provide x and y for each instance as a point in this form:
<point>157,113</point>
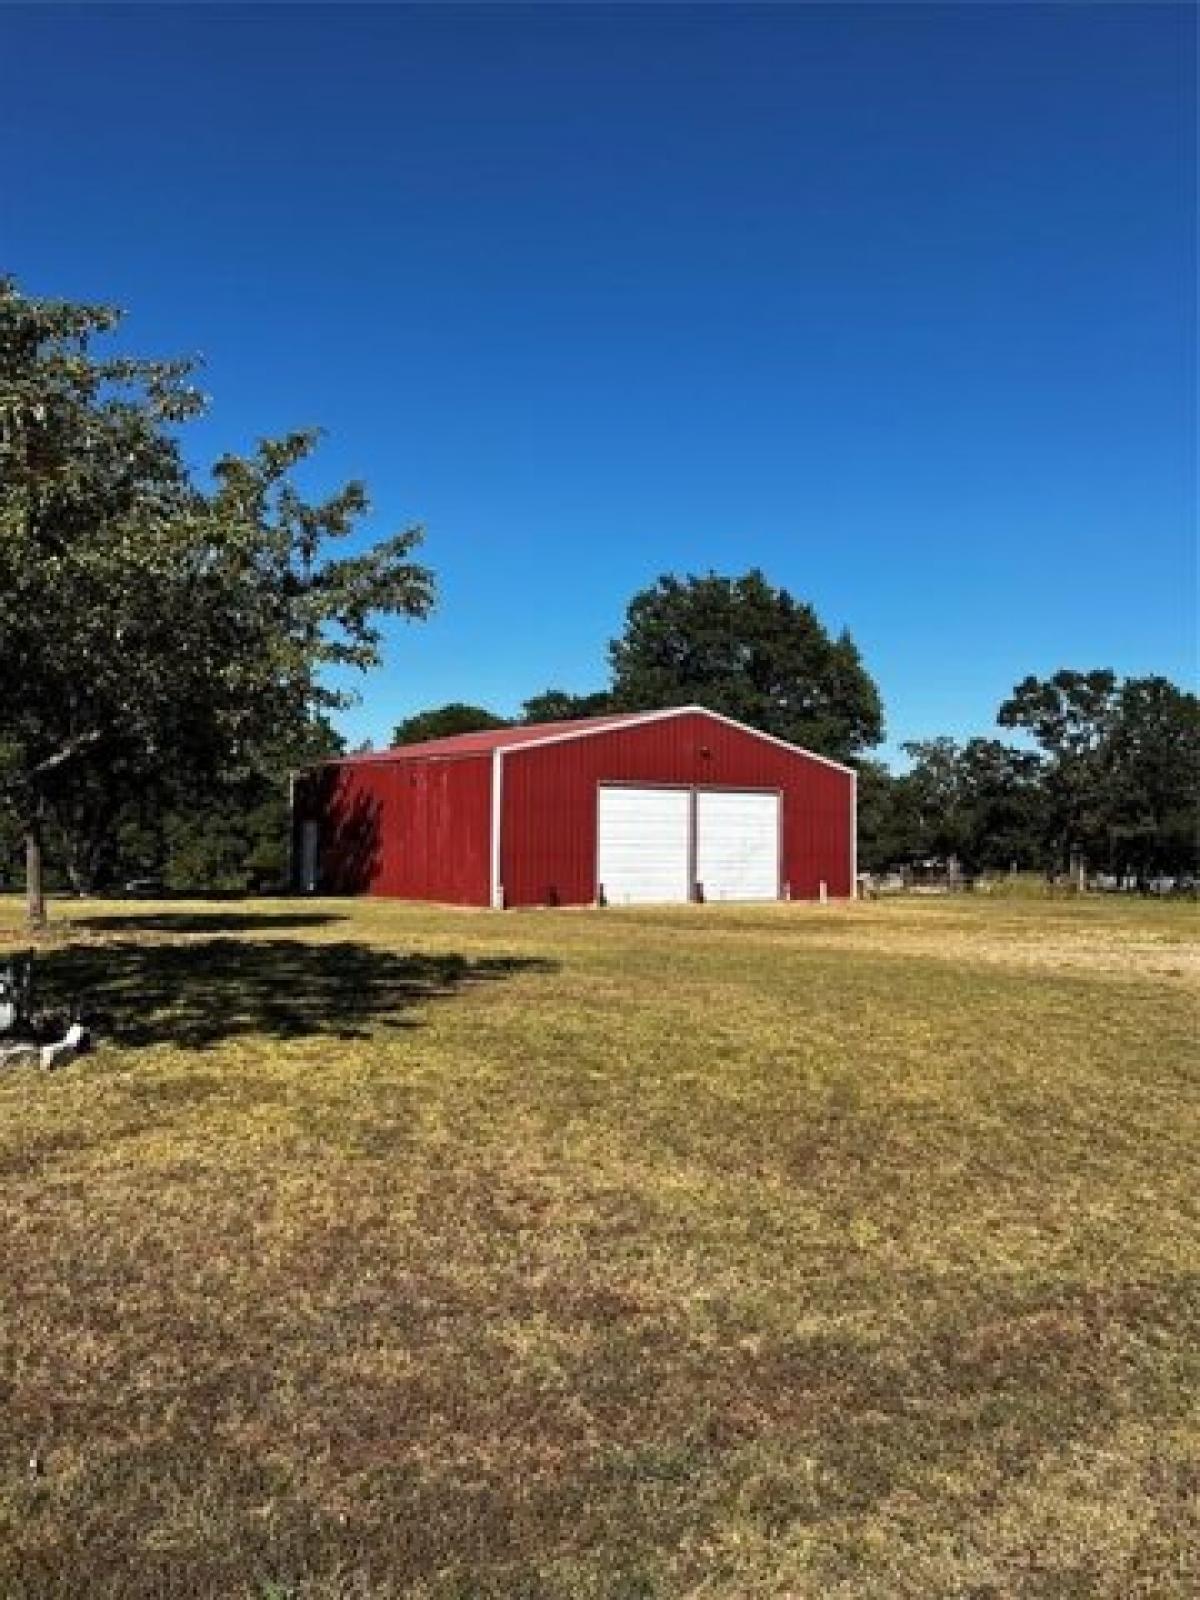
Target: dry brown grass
<point>718,1253</point>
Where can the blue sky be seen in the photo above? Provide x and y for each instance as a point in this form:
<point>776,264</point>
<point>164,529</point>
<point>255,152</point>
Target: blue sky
<point>896,303</point>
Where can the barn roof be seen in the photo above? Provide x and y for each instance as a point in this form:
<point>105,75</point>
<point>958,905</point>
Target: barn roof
<point>531,733</point>
<point>488,739</point>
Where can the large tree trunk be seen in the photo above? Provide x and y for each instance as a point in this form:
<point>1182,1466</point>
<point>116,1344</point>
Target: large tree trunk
<point>35,888</point>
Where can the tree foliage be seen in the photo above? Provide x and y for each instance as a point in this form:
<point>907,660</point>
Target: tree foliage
<point>1115,778</point>
<point>1122,766</point>
<point>442,722</point>
<point>980,802</point>
<point>552,705</point>
<point>559,705</point>
<point>1153,777</point>
<point>884,833</point>
<point>742,647</point>
<point>150,622</point>
<point>1070,716</point>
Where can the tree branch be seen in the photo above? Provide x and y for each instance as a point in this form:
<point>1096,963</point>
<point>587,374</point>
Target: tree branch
<point>73,747</point>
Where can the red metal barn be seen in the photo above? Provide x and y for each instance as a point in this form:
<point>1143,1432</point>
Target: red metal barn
<point>651,807</point>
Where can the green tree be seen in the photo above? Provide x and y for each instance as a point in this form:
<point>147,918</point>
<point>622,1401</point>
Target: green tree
<point>981,802</point>
<point>230,833</point>
<point>559,705</point>
<point>886,825</point>
<point>1122,767</point>
<point>742,647</point>
<point>86,809</point>
<point>932,789</point>
<point>442,722</point>
<point>1071,717</point>
<point>10,848</point>
<point>150,623</point>
<point>1002,796</point>
<point>1152,763</point>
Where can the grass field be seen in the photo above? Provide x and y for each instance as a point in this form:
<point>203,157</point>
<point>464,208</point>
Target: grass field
<point>791,1252</point>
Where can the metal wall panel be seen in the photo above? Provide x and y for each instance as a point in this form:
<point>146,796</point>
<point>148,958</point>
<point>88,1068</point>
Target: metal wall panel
<point>414,829</point>
<point>548,842</point>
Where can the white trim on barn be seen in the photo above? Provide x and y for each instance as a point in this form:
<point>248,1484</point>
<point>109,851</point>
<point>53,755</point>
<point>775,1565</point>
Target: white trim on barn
<point>757,733</point>
<point>497,888</point>
<point>603,725</point>
<point>642,717</point>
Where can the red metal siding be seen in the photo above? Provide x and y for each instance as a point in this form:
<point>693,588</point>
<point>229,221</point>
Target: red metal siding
<point>548,836</point>
<point>416,830</point>
<point>420,827</point>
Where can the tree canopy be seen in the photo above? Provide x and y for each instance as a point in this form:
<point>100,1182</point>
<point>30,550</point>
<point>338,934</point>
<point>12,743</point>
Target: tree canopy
<point>749,650</point>
<point>552,705</point>
<point>1122,765</point>
<point>1114,779</point>
<point>148,620</point>
<point>441,722</point>
<point>1153,776</point>
<point>979,801</point>
<point>560,705</point>
<point>1070,717</point>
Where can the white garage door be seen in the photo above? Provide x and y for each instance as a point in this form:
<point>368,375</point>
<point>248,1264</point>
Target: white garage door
<point>643,845</point>
<point>737,845</point>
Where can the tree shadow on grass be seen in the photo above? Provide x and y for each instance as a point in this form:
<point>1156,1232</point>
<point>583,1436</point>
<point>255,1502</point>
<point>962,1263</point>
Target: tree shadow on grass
<point>204,991</point>
<point>207,921</point>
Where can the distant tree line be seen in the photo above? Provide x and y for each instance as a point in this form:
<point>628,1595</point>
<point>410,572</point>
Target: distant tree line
<point>1108,771</point>
<point>1109,777</point>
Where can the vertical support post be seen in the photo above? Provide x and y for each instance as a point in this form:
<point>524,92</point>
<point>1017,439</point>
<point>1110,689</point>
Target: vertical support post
<point>291,849</point>
<point>854,836</point>
<point>695,887</point>
<point>497,888</point>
